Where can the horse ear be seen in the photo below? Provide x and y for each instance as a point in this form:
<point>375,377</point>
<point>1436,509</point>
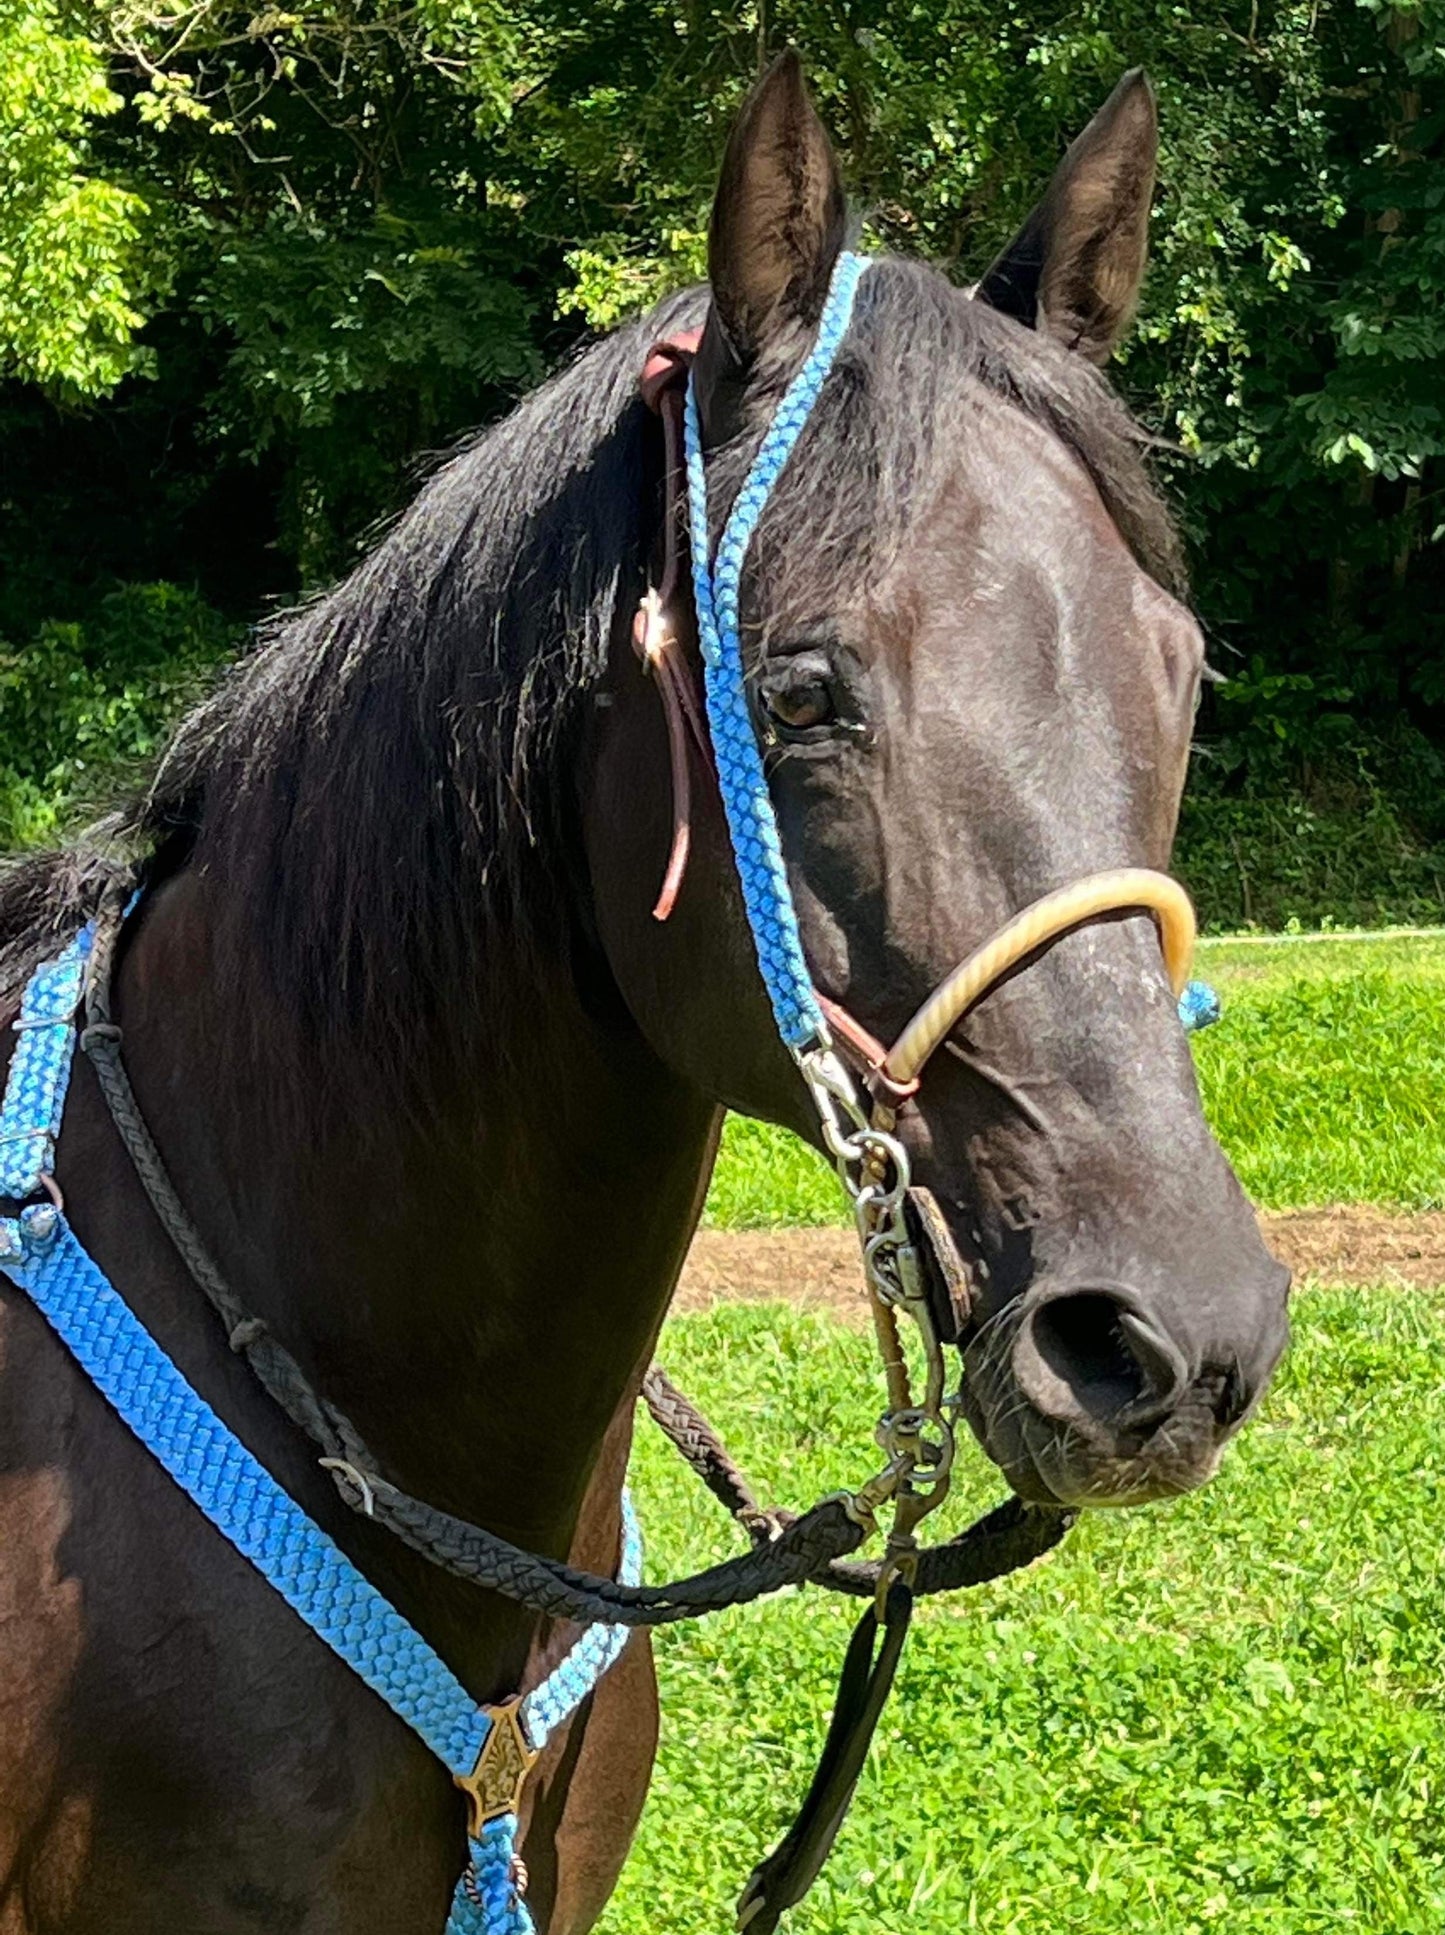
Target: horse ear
<point>1075,266</point>
<point>778,222</point>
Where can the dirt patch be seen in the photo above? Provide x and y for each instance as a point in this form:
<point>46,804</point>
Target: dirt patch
<point>811,1267</point>
<point>1357,1244</point>
<point>819,1268</point>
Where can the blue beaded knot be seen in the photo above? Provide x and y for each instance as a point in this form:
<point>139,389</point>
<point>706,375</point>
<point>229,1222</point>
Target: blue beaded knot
<point>489,1898</point>
<point>1199,1007</point>
<point>752,824</point>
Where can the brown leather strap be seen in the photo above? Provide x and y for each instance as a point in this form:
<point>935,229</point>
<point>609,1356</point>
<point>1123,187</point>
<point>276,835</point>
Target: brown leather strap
<point>655,627</point>
<point>667,365</point>
<point>782,1878</point>
<point>867,1054</point>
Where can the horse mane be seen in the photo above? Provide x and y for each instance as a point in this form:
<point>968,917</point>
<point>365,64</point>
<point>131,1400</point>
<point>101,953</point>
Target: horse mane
<point>381,783</point>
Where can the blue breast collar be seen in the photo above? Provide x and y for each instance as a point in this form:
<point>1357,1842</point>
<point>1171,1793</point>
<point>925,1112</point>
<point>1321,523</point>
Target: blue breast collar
<point>487,1749</point>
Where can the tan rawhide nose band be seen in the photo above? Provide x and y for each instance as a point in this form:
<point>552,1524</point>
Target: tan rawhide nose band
<point>1125,889</point>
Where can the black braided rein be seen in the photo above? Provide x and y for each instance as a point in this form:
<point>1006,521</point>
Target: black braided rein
<point>786,1550</point>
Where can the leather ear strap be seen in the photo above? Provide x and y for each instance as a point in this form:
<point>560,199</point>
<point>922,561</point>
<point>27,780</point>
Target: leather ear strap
<point>668,363</point>
<point>655,626</point>
<point>783,1878</point>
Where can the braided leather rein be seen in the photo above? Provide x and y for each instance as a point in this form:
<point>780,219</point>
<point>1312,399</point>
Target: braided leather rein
<point>785,1550</point>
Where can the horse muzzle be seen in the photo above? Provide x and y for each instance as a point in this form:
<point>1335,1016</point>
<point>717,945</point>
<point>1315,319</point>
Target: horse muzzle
<point>1085,1394</point>
<point>1079,1391</point>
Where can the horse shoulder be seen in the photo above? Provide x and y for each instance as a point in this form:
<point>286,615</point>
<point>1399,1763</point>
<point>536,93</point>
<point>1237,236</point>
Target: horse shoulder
<point>44,1823</point>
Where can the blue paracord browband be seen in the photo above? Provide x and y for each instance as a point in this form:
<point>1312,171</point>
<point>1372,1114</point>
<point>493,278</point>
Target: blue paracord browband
<point>715,582</point>
<point>40,1252</point>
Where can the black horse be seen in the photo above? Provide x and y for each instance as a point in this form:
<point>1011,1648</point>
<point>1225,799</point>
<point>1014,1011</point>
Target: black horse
<point>443,1096</point>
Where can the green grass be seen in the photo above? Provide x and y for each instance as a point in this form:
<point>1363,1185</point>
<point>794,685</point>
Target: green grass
<point>1224,1714</point>
<point>1325,1082</point>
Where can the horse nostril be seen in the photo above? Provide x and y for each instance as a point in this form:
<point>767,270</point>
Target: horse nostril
<point>1229,1393</point>
<point>1089,1357</point>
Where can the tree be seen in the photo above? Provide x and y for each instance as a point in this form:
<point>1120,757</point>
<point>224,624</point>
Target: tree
<point>359,227</point>
<point>75,271</point>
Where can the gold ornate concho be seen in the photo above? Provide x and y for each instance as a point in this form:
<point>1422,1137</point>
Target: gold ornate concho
<point>495,1784</point>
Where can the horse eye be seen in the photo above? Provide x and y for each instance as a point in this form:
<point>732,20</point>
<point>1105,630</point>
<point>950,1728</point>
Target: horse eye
<point>797,707</point>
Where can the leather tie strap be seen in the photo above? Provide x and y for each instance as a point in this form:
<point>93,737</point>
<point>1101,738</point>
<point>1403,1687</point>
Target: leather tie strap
<point>667,365</point>
<point>782,1878</point>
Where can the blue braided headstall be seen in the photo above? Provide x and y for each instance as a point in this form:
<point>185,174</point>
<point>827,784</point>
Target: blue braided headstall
<point>752,823</point>
<point>488,1750</point>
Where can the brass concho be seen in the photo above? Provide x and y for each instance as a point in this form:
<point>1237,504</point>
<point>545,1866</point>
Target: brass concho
<point>495,1784</point>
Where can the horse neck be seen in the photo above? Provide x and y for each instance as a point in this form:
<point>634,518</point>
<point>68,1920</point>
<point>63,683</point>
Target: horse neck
<point>476,1277</point>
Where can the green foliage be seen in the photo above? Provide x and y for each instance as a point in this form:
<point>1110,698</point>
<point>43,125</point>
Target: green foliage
<point>346,352</point>
<point>767,1179</point>
<point>73,268</point>
<point>1327,1090</point>
<point>1341,853</point>
<point>82,704</point>
<point>1220,1713</point>
<point>353,284</point>
<point>1325,1082</point>
<point>358,231</point>
<point>1292,336</point>
<point>317,318</point>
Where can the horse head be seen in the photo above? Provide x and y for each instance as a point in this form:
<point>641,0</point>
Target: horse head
<point>974,681</point>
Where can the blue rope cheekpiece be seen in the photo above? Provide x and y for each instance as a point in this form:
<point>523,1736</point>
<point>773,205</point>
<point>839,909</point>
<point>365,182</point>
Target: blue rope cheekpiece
<point>41,1254</point>
<point>746,800</point>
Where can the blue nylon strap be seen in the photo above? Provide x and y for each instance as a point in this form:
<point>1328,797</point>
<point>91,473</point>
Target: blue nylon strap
<point>746,800</point>
<point>42,1255</point>
<point>40,1070</point>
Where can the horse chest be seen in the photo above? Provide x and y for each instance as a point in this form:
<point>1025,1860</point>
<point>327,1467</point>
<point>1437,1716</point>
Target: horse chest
<point>42,1832</point>
<point>179,1750</point>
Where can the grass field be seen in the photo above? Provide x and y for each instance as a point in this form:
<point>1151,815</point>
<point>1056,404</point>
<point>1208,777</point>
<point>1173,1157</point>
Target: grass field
<point>1224,1714</point>
<point>1325,1081</point>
